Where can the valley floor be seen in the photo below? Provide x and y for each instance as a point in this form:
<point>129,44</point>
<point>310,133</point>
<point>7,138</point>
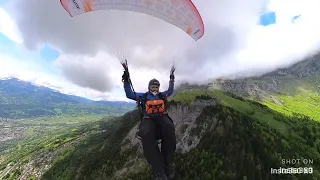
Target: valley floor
<point>26,144</point>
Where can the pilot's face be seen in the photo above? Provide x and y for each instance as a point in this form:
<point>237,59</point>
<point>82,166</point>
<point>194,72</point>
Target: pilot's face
<point>154,88</point>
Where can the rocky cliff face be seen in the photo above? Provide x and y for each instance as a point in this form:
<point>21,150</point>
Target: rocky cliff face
<point>185,117</point>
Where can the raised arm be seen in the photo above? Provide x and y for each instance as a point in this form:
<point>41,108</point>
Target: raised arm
<point>171,84</point>
<point>129,93</point>
<point>170,89</point>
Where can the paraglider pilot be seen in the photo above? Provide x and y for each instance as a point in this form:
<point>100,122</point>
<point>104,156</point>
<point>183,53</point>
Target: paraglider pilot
<point>155,124</point>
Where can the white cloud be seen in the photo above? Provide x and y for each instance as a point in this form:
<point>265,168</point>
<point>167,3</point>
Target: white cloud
<point>104,72</point>
<point>29,70</point>
<point>284,43</point>
<point>233,42</point>
<point>9,28</point>
<point>89,72</point>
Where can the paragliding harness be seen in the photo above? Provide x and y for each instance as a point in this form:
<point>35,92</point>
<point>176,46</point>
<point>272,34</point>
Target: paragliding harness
<point>144,99</point>
<point>142,109</point>
<point>155,107</point>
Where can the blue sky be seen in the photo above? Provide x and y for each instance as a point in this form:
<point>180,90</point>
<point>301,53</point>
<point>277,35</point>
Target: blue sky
<point>44,57</point>
<point>270,18</point>
<point>269,15</point>
<point>3,2</point>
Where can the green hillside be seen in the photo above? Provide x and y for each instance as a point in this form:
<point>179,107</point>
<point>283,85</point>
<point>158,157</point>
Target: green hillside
<point>241,139</point>
<point>301,95</point>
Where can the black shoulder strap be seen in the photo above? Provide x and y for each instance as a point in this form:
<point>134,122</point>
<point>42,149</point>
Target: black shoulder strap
<point>161,96</point>
<point>144,96</point>
<point>144,99</point>
<point>141,107</point>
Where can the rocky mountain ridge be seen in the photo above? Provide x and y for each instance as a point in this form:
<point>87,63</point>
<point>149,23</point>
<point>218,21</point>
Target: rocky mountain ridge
<point>304,74</point>
<point>289,81</point>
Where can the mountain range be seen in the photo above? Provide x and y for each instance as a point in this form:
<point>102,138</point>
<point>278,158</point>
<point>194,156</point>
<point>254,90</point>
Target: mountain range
<point>300,78</point>
<point>21,99</point>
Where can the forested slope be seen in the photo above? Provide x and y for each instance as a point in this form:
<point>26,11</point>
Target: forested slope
<point>238,139</point>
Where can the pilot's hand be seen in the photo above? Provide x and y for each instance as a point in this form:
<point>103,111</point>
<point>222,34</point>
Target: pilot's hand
<point>172,73</point>
<point>125,76</point>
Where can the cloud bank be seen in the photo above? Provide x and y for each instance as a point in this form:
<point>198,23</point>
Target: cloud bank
<point>233,45</point>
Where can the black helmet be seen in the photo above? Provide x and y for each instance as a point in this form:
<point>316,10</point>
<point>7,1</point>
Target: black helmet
<point>154,82</point>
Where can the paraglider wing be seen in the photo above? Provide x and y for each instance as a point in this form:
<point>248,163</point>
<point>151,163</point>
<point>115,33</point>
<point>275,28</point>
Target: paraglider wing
<point>180,13</point>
